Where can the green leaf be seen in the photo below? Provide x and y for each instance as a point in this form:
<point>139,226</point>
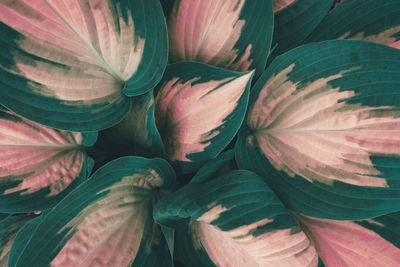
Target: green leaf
<point>234,35</point>
<point>138,130</point>
<point>39,165</point>
<point>198,111</point>
<point>235,218</point>
<point>323,129</point>
<point>294,21</point>
<point>9,228</point>
<point>22,238</point>
<point>71,65</point>
<point>107,220</point>
<point>371,242</point>
<point>371,20</point>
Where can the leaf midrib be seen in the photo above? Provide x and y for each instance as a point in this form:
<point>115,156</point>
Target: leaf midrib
<point>101,60</point>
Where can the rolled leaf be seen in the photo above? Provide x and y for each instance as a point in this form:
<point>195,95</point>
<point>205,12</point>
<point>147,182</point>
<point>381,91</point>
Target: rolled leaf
<point>323,129</point>
<point>371,242</point>
<point>9,228</point>
<point>370,20</point>
<point>294,21</point>
<point>39,165</point>
<point>231,34</point>
<point>70,64</point>
<point>199,109</point>
<point>106,221</point>
<point>234,220</point>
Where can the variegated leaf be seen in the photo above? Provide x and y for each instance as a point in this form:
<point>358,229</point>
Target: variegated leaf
<point>294,21</point>
<point>323,129</point>
<point>370,20</point>
<point>69,64</point>
<point>369,243</point>
<point>107,220</point>
<point>199,109</point>
<point>39,165</point>
<point>231,34</point>
<point>9,228</point>
<point>234,220</point>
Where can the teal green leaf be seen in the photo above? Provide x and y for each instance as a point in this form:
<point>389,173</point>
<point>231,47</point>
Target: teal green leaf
<point>39,165</point>
<point>235,218</point>
<point>224,163</point>
<point>323,129</point>
<point>138,129</point>
<point>74,70</point>
<point>234,35</point>
<point>9,228</point>
<point>22,238</point>
<point>198,110</point>
<point>370,20</point>
<point>294,21</point>
<point>369,242</point>
<point>107,220</point>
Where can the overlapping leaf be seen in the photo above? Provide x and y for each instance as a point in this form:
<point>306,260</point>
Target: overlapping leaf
<point>371,20</point>
<point>231,34</point>
<point>323,129</point>
<point>9,227</point>
<point>39,165</point>
<point>199,109</point>
<point>295,20</point>
<point>107,220</point>
<point>371,242</point>
<point>67,64</point>
<point>234,220</point>
<point>138,129</point>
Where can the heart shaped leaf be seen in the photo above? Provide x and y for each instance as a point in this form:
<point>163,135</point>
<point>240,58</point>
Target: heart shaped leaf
<point>107,220</point>
<point>199,109</point>
<point>323,129</point>
<point>235,218</point>
<point>68,64</point>
<point>39,165</point>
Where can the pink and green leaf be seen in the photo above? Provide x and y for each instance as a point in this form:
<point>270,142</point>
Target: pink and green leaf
<point>370,242</point>
<point>323,129</point>
<point>231,34</point>
<point>370,20</point>
<point>70,65</point>
<point>199,109</point>
<point>39,165</point>
<point>235,218</point>
<point>107,220</point>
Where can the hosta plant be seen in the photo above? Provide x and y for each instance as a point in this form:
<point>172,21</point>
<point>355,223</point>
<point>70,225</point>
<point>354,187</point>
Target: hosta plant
<point>199,133</point>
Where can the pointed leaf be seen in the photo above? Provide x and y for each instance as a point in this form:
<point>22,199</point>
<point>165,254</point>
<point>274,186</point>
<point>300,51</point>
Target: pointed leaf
<point>235,220</point>
<point>39,165</point>
<point>323,129</point>
<point>233,34</point>
<point>295,20</point>
<point>106,221</point>
<point>371,242</point>
<point>371,20</point>
<point>68,64</point>
<point>138,129</point>
<point>199,109</point>
<point>9,228</point>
